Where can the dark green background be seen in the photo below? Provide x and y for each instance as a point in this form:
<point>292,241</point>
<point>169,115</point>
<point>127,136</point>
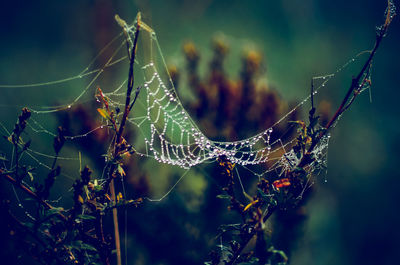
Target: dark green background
<point>353,218</point>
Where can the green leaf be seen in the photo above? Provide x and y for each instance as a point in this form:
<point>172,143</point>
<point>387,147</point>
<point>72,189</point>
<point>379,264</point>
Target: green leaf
<point>223,196</point>
<point>98,188</point>
<point>88,247</point>
<point>28,225</point>
<point>121,171</point>
<point>30,175</point>
<point>53,211</point>
<point>279,253</point>
<point>85,217</point>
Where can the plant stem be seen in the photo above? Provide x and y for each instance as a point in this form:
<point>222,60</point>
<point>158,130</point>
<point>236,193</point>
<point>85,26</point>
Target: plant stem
<point>116,226</point>
<point>26,190</point>
<point>354,84</point>
<point>118,141</point>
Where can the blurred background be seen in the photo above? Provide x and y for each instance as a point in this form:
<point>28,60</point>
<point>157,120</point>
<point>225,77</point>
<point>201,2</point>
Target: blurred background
<point>352,218</point>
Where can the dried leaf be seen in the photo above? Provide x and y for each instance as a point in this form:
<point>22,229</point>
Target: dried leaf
<point>104,113</point>
<point>121,171</point>
<point>249,205</point>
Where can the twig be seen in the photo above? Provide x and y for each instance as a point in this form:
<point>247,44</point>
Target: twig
<point>131,81</point>
<point>26,190</point>
<point>119,132</point>
<point>355,83</point>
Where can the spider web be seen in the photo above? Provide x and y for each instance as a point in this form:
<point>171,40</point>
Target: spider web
<point>167,132</point>
<point>172,137</point>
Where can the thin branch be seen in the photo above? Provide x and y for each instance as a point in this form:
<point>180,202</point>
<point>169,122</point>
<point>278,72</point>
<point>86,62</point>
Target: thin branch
<point>26,190</point>
<point>312,93</point>
<point>119,132</point>
<point>131,81</point>
<point>353,87</point>
<point>136,95</point>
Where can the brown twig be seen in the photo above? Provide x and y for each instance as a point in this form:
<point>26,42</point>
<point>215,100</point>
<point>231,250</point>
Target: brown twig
<point>26,190</point>
<point>119,138</point>
<point>131,81</point>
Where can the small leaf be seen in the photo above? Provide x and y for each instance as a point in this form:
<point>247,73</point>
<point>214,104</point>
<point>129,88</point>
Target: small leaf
<point>104,114</point>
<point>80,199</point>
<point>88,247</point>
<point>86,217</point>
<point>121,171</point>
<point>280,183</point>
<point>249,205</point>
<point>55,210</point>
<point>30,175</point>
<point>28,225</point>
<point>223,196</point>
<point>279,253</point>
<point>119,196</point>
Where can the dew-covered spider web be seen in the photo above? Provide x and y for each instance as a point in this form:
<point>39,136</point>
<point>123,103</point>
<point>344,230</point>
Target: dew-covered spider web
<point>163,128</point>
